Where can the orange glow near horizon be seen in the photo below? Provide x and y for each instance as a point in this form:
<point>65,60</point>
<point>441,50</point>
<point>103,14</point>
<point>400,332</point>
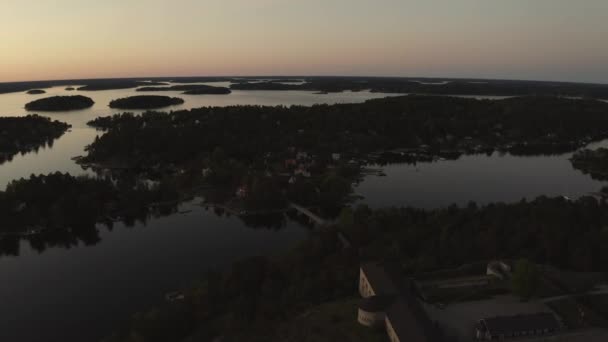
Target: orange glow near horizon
<point>70,39</point>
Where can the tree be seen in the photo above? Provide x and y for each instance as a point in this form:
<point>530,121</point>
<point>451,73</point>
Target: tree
<point>346,218</point>
<point>525,279</point>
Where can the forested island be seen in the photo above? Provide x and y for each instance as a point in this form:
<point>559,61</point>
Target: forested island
<point>194,89</point>
<point>145,102</point>
<point>60,103</point>
<point>313,155</point>
<point>592,162</point>
<point>36,92</point>
<point>526,125</point>
<point>208,91</point>
<point>59,209</point>
<point>251,300</point>
<point>27,133</point>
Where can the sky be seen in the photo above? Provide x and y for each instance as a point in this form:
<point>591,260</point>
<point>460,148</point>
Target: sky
<point>562,40</point>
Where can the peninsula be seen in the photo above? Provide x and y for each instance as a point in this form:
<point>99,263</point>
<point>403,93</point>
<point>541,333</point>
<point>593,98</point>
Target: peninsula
<point>27,133</point>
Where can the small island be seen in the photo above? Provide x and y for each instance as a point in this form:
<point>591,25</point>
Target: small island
<point>36,92</point>
<point>27,133</point>
<point>145,102</point>
<point>60,103</point>
<point>70,89</point>
<point>191,89</point>
<point>208,91</point>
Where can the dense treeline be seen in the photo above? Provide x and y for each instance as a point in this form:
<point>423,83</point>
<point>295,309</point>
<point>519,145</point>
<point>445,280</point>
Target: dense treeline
<point>59,209</point>
<point>248,301</point>
<point>145,102</point>
<point>27,133</point>
<point>556,231</point>
<point>435,86</point>
<point>527,124</point>
<point>60,103</point>
<point>592,162</point>
<point>86,84</point>
<point>194,89</point>
<point>116,84</point>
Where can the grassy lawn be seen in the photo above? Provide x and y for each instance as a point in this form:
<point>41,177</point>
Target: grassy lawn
<point>333,321</point>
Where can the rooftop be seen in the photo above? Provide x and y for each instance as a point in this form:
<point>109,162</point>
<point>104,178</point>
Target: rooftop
<point>504,325</point>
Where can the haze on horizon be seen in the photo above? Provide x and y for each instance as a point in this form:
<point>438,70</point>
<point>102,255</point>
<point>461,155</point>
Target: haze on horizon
<point>517,39</point>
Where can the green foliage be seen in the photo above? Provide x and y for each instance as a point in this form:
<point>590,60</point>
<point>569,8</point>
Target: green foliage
<point>62,209</point>
<point>191,89</point>
<point>27,133</point>
<point>346,218</point>
<point>60,103</point>
<point>145,102</point>
<point>529,125</point>
<point>593,162</point>
<point>265,194</point>
<point>525,279</point>
<point>333,190</point>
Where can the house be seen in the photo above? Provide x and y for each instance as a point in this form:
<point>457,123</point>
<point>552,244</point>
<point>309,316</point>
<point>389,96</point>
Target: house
<point>301,155</point>
<point>301,171</point>
<point>335,156</point>
<point>389,302</point>
<point>289,163</point>
<point>501,328</point>
<point>499,269</point>
<point>242,192</point>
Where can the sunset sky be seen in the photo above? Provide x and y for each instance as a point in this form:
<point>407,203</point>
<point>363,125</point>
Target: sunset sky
<point>516,39</point>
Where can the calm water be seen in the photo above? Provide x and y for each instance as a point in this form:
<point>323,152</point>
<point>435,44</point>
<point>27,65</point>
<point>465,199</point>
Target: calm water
<point>478,178</point>
<point>80,294</point>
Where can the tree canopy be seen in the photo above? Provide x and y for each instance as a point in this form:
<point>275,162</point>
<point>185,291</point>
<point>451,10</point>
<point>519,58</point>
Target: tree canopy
<point>60,103</point>
<point>145,102</point>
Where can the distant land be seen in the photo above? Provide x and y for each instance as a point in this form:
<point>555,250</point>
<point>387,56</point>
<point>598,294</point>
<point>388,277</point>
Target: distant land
<point>419,85</point>
<point>190,89</point>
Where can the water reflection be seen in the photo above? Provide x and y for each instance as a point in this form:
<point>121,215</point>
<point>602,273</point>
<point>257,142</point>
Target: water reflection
<point>11,244</point>
<point>481,178</point>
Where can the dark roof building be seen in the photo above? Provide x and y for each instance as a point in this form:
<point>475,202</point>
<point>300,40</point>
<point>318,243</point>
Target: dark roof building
<point>404,317</point>
<point>517,326</point>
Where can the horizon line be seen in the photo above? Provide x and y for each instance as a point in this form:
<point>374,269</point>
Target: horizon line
<point>306,76</point>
